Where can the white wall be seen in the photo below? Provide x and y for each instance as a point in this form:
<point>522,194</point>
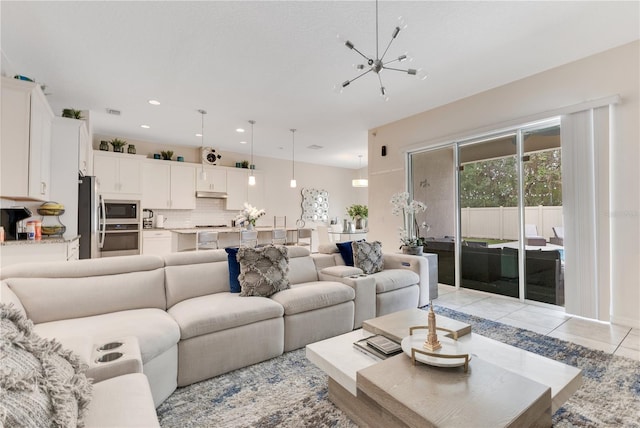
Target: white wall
<point>611,72</point>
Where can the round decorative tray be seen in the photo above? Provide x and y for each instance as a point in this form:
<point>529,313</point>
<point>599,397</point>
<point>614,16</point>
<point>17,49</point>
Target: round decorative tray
<point>452,353</point>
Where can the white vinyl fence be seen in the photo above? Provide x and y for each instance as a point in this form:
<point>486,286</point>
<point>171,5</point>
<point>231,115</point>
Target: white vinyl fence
<point>502,222</point>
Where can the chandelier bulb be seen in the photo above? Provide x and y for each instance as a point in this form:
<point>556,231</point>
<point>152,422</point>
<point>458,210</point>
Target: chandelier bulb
<point>252,180</point>
<point>401,23</point>
<point>421,74</point>
<point>293,184</point>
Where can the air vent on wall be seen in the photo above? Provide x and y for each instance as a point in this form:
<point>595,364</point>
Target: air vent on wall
<point>315,147</point>
<point>113,112</point>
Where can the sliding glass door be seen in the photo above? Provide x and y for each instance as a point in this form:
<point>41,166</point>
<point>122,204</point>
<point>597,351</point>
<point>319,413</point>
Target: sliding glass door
<point>495,211</point>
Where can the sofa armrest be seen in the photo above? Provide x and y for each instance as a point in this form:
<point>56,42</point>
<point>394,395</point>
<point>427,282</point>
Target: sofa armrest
<point>365,288</point>
<point>426,266</point>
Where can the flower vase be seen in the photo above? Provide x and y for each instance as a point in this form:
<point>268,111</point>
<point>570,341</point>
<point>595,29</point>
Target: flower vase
<point>414,250</point>
<point>250,226</point>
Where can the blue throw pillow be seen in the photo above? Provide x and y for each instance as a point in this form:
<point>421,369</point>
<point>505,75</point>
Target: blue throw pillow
<point>346,252</point>
<point>234,269</point>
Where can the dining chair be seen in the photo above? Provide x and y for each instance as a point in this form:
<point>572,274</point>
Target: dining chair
<point>249,238</point>
<point>206,240</point>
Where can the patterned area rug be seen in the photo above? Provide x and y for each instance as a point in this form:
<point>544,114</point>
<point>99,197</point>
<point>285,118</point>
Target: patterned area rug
<point>289,391</point>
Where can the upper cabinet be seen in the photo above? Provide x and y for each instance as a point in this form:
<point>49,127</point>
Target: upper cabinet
<point>25,170</point>
<point>239,191</point>
<point>168,185</point>
<point>215,179</point>
<point>119,175</point>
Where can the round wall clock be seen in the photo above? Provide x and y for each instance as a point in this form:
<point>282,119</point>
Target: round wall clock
<point>209,155</point>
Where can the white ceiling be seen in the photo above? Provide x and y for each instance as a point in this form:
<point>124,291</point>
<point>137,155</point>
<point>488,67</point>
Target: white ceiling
<point>277,62</point>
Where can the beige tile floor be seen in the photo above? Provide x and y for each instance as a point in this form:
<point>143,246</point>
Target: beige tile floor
<point>547,320</point>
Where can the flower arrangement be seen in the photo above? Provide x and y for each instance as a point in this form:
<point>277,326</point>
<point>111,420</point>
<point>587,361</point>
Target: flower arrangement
<point>356,211</point>
<point>249,215</point>
<point>409,234</point>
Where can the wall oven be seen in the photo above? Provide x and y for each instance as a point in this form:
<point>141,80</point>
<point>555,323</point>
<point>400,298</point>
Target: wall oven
<point>119,228</point>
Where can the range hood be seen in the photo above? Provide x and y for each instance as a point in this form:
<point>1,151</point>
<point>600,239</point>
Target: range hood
<point>211,195</point>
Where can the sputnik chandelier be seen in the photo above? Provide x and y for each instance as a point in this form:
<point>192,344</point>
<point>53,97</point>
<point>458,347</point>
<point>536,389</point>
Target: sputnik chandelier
<point>378,63</point>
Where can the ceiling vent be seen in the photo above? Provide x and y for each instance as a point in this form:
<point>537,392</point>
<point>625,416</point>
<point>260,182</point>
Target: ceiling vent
<point>315,147</point>
<point>113,112</point>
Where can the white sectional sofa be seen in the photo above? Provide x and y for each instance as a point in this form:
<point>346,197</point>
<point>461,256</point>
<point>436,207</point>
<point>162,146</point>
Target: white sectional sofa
<point>179,312</point>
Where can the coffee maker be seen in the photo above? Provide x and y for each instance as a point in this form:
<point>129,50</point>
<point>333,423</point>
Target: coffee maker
<point>9,219</point>
<point>147,219</point>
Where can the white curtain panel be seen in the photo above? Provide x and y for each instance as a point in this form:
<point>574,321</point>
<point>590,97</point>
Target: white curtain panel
<point>585,192</point>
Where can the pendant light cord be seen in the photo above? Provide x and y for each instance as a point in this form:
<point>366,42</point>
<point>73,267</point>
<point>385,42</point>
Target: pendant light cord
<point>252,122</point>
<point>293,153</point>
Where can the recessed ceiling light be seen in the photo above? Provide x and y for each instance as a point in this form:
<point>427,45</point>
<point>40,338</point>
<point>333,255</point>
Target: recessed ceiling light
<point>154,102</point>
<point>239,130</point>
<point>243,142</point>
<point>198,135</point>
<point>145,126</point>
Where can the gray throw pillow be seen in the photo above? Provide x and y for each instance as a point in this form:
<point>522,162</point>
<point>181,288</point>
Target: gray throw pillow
<point>263,271</point>
<point>367,256</point>
<point>42,384</point>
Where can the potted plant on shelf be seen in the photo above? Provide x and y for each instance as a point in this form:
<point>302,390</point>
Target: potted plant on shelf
<point>249,215</point>
<point>71,113</point>
<point>410,238</point>
<point>167,155</point>
<point>245,164</point>
<point>118,145</point>
<point>359,214</point>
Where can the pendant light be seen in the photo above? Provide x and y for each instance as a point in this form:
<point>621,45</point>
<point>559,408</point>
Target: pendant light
<point>203,173</point>
<point>293,184</point>
<point>252,178</point>
<point>360,182</point>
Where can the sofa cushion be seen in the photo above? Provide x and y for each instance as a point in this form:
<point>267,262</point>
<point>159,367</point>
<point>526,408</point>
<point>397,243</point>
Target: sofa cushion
<point>48,299</point>
<point>42,384</point>
<point>234,269</point>
<point>313,295</point>
<point>368,256</point>
<point>346,251</point>
<point>263,271</point>
<point>191,274</point>
<point>394,279</point>
<point>221,311</point>
<point>155,329</point>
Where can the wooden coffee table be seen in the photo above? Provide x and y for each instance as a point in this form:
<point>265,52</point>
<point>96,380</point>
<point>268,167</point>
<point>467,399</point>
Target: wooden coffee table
<point>505,386</point>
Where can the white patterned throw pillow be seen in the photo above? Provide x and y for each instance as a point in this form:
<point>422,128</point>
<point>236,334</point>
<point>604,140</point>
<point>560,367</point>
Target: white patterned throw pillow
<point>367,256</point>
<point>263,271</point>
<point>42,384</point>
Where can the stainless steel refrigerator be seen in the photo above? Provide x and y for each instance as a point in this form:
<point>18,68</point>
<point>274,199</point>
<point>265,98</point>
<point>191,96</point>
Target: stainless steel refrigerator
<point>88,217</point>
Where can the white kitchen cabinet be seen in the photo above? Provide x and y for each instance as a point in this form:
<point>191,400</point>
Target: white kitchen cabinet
<point>215,181</point>
<point>156,242</point>
<point>25,166</point>
<point>239,191</point>
<point>119,175</point>
<point>168,185</point>
<point>84,150</point>
<point>34,251</point>
<point>67,137</point>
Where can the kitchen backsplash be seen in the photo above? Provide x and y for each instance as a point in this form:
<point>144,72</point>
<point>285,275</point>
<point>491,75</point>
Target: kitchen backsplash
<point>207,212</point>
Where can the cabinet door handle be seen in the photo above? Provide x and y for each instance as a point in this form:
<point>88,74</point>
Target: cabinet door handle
<point>43,188</point>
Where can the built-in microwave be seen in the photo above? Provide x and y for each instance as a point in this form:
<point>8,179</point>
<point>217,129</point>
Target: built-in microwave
<point>121,211</point>
<point>119,228</point>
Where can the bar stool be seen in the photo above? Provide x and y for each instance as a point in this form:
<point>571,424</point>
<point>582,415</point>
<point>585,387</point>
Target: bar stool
<point>206,240</point>
<point>279,236</point>
<point>248,238</point>
<point>305,234</point>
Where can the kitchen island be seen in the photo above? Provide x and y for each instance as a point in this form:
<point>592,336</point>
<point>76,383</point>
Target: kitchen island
<point>185,239</point>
